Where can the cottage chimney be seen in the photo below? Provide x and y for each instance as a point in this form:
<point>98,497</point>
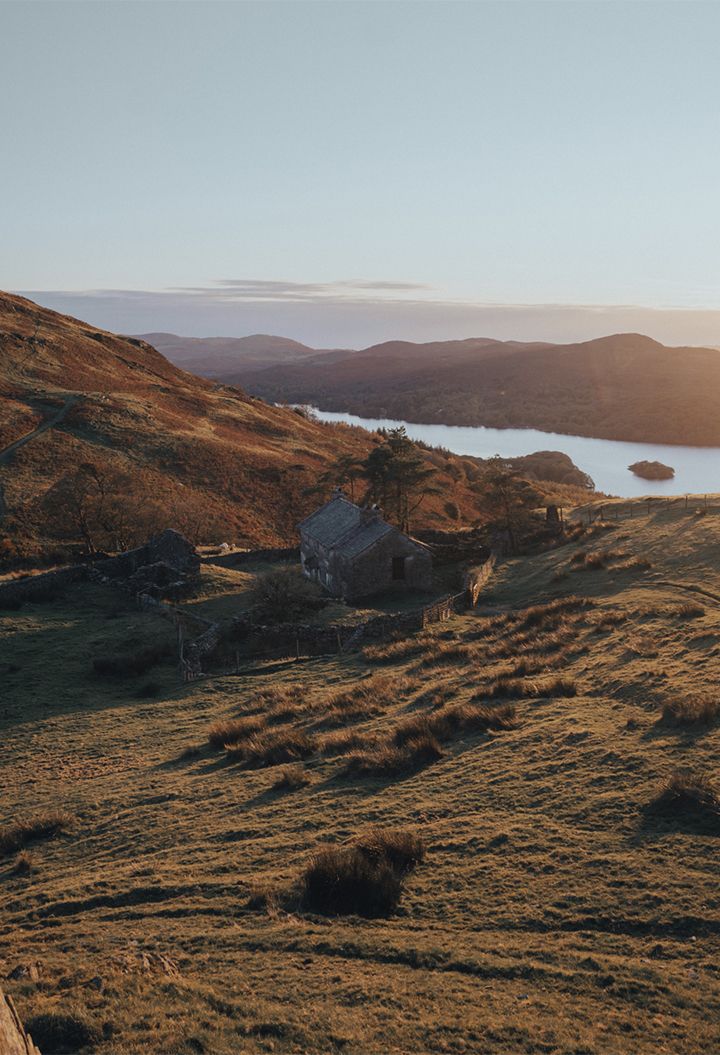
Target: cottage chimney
<point>369,513</point>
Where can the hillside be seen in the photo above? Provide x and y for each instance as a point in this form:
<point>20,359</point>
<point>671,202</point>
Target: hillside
<point>625,387</point>
<point>561,906</point>
<point>185,452</point>
<point>227,357</point>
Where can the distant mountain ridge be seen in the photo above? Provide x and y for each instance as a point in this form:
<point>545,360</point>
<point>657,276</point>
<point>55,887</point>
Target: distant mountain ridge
<point>221,357</point>
<point>624,386</point>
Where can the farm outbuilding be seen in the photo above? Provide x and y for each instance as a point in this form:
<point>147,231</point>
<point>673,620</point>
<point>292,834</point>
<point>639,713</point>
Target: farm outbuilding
<point>353,553</point>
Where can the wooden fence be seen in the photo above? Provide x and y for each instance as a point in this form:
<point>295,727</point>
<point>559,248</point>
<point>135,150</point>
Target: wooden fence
<point>639,508</point>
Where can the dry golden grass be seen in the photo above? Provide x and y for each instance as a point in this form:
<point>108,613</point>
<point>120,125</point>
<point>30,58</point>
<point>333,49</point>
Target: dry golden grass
<point>365,878</point>
<point>554,912</point>
<point>232,731</point>
<point>291,778</point>
<point>688,795</point>
<point>18,834</point>
<point>691,710</point>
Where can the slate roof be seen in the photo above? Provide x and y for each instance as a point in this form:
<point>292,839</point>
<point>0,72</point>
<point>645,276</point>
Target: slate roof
<point>339,525</point>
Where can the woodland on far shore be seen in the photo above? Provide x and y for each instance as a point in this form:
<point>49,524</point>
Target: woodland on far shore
<point>621,387</point>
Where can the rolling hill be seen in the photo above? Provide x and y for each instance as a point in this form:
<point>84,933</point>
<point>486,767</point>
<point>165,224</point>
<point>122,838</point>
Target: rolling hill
<point>227,357</point>
<point>625,386</point>
<point>204,457</point>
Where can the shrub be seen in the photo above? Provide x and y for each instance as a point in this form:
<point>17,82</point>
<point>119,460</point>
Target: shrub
<point>15,836</point>
<point>291,778</point>
<point>688,794</point>
<point>233,731</point>
<point>284,596</point>
<point>365,879</point>
<point>691,710</point>
<point>59,1034</point>
<point>690,611</point>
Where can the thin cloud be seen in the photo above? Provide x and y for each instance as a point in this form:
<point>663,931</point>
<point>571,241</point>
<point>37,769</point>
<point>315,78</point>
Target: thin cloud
<point>348,314</point>
<point>256,289</point>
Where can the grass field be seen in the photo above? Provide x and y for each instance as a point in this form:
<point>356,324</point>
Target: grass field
<point>563,906</point>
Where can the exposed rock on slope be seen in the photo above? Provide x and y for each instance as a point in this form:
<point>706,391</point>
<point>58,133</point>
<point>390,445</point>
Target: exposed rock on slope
<point>13,1038</point>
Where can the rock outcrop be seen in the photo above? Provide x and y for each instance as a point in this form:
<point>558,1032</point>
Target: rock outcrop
<point>13,1038</point>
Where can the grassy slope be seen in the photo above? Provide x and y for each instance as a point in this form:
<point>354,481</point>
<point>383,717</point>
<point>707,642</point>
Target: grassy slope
<point>243,460</point>
<point>551,914</point>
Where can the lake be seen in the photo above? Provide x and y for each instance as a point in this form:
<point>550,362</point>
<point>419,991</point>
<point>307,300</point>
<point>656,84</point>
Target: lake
<point>697,469</point>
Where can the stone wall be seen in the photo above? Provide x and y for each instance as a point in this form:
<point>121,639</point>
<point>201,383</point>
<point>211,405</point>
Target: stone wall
<point>44,587</point>
<point>169,553</point>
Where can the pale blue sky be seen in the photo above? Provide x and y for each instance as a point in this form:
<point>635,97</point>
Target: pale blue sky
<point>244,166</point>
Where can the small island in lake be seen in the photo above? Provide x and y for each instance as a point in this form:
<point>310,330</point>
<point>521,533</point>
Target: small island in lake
<point>652,470</point>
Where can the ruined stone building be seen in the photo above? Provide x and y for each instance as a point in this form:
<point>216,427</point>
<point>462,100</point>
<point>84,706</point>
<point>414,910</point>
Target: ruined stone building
<point>353,553</point>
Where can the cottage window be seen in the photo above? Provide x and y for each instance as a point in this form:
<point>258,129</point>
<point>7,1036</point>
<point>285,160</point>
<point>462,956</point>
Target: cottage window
<point>398,568</point>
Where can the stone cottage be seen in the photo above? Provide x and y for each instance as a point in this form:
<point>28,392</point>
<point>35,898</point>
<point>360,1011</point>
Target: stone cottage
<point>353,553</point>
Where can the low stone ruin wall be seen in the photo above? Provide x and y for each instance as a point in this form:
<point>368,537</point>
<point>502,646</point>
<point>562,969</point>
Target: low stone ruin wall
<point>43,587</point>
<point>169,551</point>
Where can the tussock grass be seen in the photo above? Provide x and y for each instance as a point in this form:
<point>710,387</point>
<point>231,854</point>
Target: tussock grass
<point>540,615</point>
<point>447,653</point>
<point>515,688</point>
<point>691,710</point>
<point>368,698</point>
<point>364,879</point>
<point>609,620</point>
<point>345,740</point>
<point>394,651</point>
<point>444,724</point>
<point>273,749</point>
<point>234,731</point>
<point>690,611</point>
<point>24,865</point>
<point>688,794</point>
<point>292,778</point>
<point>388,760</point>
<point>18,834</point>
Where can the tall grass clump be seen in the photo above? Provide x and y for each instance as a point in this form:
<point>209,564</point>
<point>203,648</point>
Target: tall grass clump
<point>232,732</point>
<point>691,710</point>
<point>363,879</point>
<point>18,834</point>
<point>688,795</point>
